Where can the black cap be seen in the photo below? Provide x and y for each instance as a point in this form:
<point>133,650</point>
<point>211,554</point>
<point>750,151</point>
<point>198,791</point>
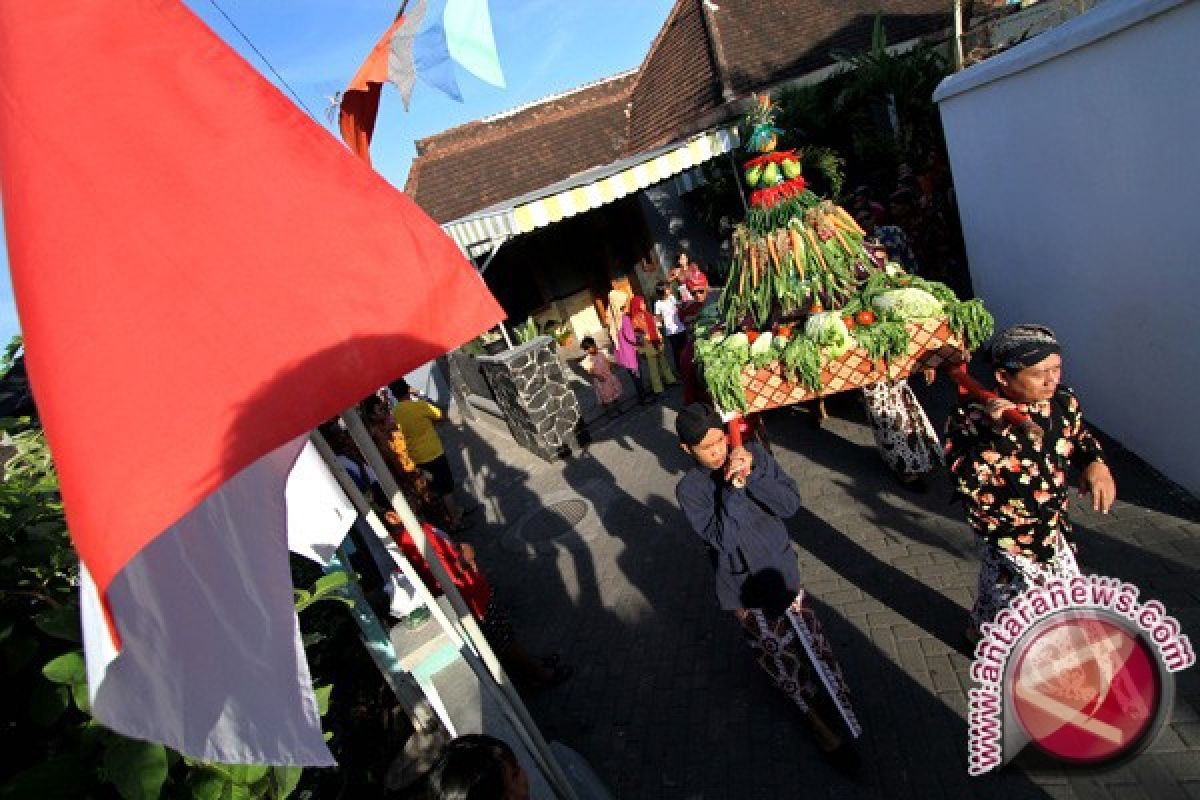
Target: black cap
<point>694,423</point>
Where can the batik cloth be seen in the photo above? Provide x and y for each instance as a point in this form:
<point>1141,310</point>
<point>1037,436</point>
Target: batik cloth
<point>1003,576</point>
<point>793,650</point>
<point>1014,487</point>
<point>903,434</point>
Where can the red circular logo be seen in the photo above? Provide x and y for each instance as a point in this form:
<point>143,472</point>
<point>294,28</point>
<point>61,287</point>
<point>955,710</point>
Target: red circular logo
<point>1085,688</point>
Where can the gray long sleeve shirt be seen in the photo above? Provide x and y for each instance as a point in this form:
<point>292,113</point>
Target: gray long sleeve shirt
<point>755,564</point>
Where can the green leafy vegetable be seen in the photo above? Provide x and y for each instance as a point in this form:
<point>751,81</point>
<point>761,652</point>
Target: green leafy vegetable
<point>828,330</point>
<point>908,303</point>
<point>802,362</point>
<point>721,361</point>
<point>887,338</point>
<point>971,321</point>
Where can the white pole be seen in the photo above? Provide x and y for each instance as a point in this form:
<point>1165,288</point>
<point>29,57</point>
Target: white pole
<point>407,692</point>
<point>477,652</point>
<point>958,34</point>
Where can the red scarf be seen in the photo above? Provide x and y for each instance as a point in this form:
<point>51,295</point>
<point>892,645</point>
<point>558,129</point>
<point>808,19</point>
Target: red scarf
<point>644,321</point>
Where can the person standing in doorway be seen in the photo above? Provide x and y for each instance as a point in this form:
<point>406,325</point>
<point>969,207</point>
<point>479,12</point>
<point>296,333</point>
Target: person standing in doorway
<point>666,308</point>
<point>416,417</point>
<point>677,277</point>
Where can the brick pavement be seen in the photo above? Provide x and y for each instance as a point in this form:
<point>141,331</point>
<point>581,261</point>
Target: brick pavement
<point>666,702</point>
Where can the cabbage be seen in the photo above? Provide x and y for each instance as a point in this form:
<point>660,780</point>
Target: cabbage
<point>908,303</point>
<point>736,341</point>
<point>828,330</point>
<point>761,345</point>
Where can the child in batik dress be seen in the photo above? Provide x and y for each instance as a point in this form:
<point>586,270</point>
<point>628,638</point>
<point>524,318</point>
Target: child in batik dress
<point>604,380</point>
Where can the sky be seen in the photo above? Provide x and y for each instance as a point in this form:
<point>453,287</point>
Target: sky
<point>545,47</point>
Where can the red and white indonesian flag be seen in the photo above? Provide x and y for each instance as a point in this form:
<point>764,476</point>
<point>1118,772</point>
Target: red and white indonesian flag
<point>202,274</point>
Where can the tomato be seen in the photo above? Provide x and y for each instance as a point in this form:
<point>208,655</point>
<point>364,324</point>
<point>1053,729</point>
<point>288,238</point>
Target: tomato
<point>784,331</point>
<point>848,321</point>
<point>865,317</point>
<point>751,336</point>
<point>816,308</point>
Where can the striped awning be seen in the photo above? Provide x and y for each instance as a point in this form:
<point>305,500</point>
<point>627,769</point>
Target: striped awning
<point>590,189</point>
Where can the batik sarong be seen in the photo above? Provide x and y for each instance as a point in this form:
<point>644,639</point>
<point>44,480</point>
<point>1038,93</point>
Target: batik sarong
<point>793,650</point>
<point>1003,576</point>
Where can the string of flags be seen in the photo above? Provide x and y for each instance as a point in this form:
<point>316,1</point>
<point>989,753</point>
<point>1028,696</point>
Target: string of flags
<point>455,32</point>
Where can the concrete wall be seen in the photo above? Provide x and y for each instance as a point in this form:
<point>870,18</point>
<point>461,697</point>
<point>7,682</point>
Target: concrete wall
<point>1074,157</point>
<point>673,226</point>
<point>431,381</point>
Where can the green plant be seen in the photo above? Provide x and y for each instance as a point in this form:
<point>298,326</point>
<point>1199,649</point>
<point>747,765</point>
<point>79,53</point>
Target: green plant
<point>559,331</point>
<point>877,110</point>
<point>527,331</point>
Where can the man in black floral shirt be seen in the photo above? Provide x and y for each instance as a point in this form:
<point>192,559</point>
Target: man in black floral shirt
<point>1014,486</point>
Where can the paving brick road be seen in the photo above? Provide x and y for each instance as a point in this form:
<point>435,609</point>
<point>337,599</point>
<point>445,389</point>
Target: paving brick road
<point>667,703</point>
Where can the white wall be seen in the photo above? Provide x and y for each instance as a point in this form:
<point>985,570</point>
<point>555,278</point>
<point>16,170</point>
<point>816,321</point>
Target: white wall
<point>1078,177</point>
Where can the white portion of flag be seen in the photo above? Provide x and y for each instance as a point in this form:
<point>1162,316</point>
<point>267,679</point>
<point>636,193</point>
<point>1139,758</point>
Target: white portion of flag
<point>318,512</point>
<point>211,662</point>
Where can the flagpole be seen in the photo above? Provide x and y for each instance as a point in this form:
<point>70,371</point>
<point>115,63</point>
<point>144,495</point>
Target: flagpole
<point>375,637</point>
<point>477,652</point>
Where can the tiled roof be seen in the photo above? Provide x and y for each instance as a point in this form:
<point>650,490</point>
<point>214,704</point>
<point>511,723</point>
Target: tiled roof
<point>484,162</point>
<point>707,54</point>
<point>711,51</point>
<point>677,82</point>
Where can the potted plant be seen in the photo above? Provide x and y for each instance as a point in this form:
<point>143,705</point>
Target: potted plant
<point>560,331</point>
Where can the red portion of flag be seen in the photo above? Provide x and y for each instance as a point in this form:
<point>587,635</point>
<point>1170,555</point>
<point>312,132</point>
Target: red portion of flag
<point>202,272</point>
<point>360,101</point>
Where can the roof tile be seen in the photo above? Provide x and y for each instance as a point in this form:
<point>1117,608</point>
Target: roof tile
<point>707,53</point>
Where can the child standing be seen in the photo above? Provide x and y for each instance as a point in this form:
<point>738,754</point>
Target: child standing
<point>606,384</point>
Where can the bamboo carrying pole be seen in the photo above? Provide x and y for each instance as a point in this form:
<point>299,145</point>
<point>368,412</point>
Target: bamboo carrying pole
<point>1012,416</point>
<point>475,648</point>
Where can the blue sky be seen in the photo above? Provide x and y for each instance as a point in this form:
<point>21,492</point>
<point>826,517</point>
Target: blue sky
<point>545,46</point>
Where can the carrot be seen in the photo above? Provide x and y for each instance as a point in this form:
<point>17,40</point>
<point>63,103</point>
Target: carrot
<point>798,247</point>
<point>845,245</point>
<point>837,222</point>
<point>845,217</point>
<point>772,252</point>
<point>816,246</point>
